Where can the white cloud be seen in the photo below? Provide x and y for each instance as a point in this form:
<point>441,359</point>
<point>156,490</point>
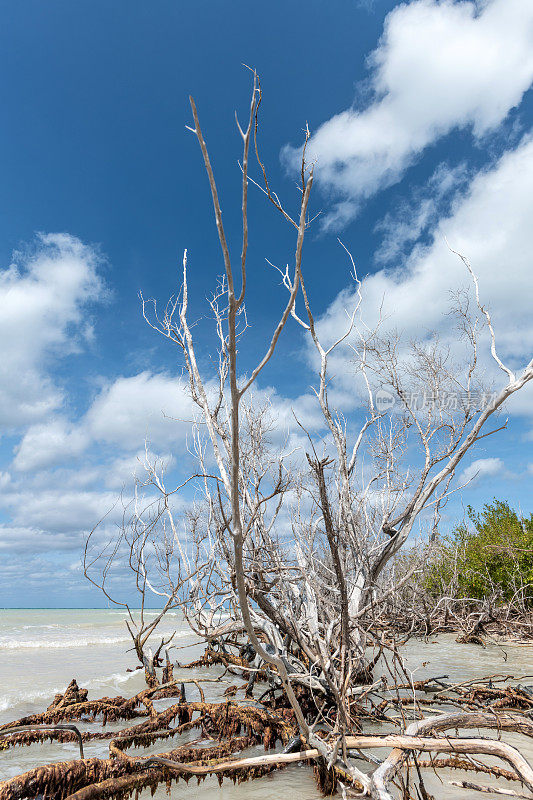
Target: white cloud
<point>57,510</point>
<point>157,408</point>
<point>126,412</point>
<point>43,297</point>
<point>144,406</point>
<point>287,412</point>
<point>491,225</point>
<point>33,540</point>
<point>123,471</point>
<point>482,468</point>
<point>48,444</point>
<point>411,218</point>
<point>439,66</point>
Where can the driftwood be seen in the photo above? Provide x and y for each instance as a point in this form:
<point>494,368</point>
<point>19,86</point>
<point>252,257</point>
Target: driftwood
<point>385,773</point>
<point>236,726</point>
<point>229,727</point>
<point>487,789</point>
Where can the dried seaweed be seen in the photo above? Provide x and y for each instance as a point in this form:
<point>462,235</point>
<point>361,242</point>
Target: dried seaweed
<point>225,729</point>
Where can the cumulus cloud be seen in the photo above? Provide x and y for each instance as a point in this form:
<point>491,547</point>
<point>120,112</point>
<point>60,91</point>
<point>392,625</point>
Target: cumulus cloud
<point>145,406</point>
<point>491,225</point>
<point>32,540</point>
<point>125,470</point>
<point>126,412</point>
<point>48,444</point>
<point>482,468</point>
<point>58,510</point>
<point>439,66</point>
<point>158,408</point>
<point>44,295</point>
<point>411,218</point>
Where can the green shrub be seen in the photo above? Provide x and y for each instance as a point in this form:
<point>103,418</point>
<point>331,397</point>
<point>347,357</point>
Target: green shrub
<point>494,554</point>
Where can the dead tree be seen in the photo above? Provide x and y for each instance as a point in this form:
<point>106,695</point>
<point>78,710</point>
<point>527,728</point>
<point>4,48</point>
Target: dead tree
<point>296,555</point>
<point>148,544</point>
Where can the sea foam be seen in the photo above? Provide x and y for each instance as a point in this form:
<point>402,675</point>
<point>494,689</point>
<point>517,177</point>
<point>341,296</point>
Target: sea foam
<point>52,644</point>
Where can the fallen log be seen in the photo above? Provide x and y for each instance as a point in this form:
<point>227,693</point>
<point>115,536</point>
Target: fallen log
<point>487,789</point>
<point>238,725</point>
<point>400,741</point>
<point>385,773</point>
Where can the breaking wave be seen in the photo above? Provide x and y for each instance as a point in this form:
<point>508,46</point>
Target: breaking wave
<point>94,639</point>
<point>51,644</point>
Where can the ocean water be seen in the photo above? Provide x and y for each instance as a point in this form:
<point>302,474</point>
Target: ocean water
<point>42,650</point>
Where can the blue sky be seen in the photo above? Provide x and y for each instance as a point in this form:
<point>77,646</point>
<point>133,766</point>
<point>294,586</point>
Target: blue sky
<point>420,115</point>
